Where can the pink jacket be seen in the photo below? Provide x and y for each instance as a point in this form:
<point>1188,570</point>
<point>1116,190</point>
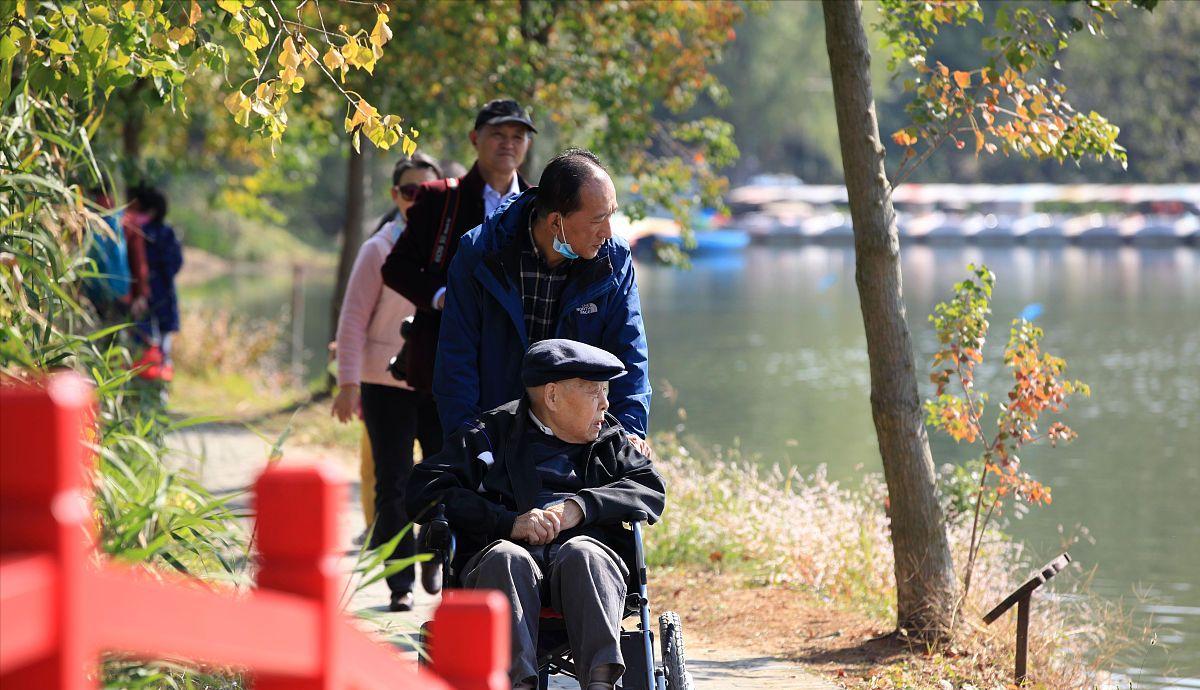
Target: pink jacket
<point>368,332</point>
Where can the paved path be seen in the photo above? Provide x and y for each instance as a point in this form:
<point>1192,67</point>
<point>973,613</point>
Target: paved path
<point>227,458</point>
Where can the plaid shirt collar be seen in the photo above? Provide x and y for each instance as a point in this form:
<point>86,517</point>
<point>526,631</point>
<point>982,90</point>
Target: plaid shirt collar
<point>541,289</point>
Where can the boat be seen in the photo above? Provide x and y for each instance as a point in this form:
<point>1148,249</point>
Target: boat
<point>1167,231</point>
<point>1113,232</point>
<point>831,228</point>
<point>960,230</point>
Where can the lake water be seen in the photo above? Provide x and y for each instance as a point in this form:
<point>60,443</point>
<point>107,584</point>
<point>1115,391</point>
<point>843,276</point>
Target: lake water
<point>765,349</point>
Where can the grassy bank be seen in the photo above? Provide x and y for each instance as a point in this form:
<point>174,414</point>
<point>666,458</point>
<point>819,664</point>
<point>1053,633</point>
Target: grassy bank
<point>801,567</point>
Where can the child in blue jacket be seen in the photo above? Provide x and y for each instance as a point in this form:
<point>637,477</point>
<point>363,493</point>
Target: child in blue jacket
<point>165,257</point>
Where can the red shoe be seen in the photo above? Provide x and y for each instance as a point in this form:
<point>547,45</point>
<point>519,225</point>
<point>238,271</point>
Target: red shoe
<point>150,364</point>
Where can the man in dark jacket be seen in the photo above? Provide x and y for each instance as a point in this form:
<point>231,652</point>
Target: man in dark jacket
<point>536,492</point>
<point>546,265</point>
<point>443,211</point>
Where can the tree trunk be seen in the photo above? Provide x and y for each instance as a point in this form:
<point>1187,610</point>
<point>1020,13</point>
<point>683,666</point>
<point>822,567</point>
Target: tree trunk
<point>132,126</point>
<point>352,231</point>
<point>925,584</point>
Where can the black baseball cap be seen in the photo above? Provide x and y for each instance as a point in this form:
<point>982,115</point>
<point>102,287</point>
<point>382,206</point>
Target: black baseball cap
<point>500,111</point>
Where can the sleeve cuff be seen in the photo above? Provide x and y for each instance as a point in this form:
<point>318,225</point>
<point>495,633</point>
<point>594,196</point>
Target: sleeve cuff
<point>437,296</point>
<point>582,508</point>
<point>504,525</point>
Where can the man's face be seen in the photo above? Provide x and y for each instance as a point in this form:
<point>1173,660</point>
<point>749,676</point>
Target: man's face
<point>502,147</point>
<point>588,227</point>
<point>577,408</point>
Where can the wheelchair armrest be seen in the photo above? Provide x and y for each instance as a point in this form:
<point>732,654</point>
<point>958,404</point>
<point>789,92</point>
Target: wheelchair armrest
<point>438,539</point>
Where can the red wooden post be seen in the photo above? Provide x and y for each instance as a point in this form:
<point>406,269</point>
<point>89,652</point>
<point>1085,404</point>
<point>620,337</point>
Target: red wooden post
<point>43,510</point>
<point>297,538</point>
<point>469,640</point>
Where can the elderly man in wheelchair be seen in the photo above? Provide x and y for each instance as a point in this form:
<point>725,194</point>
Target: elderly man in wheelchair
<point>532,499</point>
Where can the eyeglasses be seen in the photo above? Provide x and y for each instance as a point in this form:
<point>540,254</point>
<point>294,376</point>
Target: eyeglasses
<point>408,192</point>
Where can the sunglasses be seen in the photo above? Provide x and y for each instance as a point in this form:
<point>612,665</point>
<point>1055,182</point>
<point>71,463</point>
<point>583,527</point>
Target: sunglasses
<point>408,192</point>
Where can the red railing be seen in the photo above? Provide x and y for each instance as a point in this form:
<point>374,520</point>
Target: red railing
<point>59,611</point>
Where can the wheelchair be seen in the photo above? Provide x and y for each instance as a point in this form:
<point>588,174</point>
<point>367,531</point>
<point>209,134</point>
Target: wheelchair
<point>642,671</point>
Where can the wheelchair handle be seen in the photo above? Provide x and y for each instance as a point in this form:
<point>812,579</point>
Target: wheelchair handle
<point>638,516</point>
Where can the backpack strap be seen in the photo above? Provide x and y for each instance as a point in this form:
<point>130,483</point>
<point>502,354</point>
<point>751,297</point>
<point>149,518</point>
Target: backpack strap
<point>439,256</point>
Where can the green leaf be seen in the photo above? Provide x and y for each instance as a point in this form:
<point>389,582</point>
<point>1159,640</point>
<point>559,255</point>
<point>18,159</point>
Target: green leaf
<point>94,37</point>
<point>59,47</point>
<point>8,47</point>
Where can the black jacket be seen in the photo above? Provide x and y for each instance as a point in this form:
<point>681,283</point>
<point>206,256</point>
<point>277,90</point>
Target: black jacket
<point>481,478</point>
<point>411,270</point>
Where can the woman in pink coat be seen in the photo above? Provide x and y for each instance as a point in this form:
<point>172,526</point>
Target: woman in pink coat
<point>395,415</point>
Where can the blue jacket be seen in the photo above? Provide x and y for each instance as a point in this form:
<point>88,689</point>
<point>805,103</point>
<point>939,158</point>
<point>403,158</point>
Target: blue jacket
<point>483,336</point>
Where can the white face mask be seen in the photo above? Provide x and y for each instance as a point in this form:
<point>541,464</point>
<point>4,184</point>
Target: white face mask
<point>562,246</point>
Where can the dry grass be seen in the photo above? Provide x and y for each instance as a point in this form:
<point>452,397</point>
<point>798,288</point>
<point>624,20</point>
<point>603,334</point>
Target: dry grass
<point>795,548</point>
<point>215,341</point>
<point>230,367</point>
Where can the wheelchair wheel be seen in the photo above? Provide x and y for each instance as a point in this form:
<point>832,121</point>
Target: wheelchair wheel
<point>671,636</point>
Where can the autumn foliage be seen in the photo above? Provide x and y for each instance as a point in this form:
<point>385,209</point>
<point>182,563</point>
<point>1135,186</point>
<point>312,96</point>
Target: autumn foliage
<point>1038,389</point>
<point>1013,103</point>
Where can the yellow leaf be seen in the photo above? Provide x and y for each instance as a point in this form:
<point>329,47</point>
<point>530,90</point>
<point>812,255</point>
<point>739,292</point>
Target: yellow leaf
<point>297,84</point>
<point>182,35</point>
<point>963,79</point>
<point>409,147</point>
<point>237,103</point>
<point>289,57</point>
<point>194,13</point>
<point>309,53</point>
<point>233,7</point>
<point>978,141</point>
<point>381,33</point>
<point>903,138</point>
<point>333,59</point>
<point>350,54</point>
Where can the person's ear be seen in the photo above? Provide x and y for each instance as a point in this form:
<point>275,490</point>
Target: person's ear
<point>551,396</point>
<point>474,136</point>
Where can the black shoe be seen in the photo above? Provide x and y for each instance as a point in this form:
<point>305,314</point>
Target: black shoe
<point>401,601</point>
<point>431,576</point>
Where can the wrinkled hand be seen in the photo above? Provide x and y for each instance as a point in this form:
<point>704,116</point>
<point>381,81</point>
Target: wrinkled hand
<point>642,445</point>
<point>569,514</point>
<point>347,404</point>
<point>537,527</point>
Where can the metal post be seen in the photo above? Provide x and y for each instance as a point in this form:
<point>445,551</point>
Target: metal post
<point>298,324</point>
<point>1021,598</point>
<point>1022,636</point>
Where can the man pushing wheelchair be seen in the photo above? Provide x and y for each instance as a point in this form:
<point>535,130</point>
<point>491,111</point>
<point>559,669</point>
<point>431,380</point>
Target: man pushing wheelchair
<point>536,493</point>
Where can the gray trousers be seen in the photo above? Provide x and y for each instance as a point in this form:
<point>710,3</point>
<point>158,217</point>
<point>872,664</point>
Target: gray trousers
<point>587,585</point>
